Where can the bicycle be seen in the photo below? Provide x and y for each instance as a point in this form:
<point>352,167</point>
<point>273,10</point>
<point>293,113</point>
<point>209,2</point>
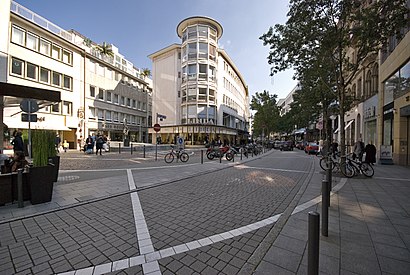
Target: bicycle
<point>179,154</point>
<point>332,160</point>
<point>351,167</point>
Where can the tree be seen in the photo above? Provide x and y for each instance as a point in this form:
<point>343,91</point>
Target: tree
<point>267,113</point>
<point>146,72</point>
<point>105,49</point>
<point>338,34</point>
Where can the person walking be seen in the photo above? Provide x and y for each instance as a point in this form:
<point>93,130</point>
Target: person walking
<point>65,146</point>
<point>18,144</point>
<point>358,150</point>
<point>370,151</point>
<point>99,144</point>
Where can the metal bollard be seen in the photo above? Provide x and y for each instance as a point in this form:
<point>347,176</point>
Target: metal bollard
<point>202,156</point>
<point>20,187</point>
<point>313,243</point>
<point>131,148</point>
<point>220,158</point>
<point>325,208</point>
<point>329,182</point>
<point>241,154</point>
<point>119,148</point>
<point>156,151</point>
<point>144,152</point>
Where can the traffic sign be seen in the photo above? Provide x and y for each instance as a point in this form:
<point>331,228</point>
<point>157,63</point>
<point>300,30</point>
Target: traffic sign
<point>26,118</point>
<point>29,105</point>
<point>157,127</point>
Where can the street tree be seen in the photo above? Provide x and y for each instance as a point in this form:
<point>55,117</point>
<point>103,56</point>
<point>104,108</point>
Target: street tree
<point>267,113</point>
<point>344,33</point>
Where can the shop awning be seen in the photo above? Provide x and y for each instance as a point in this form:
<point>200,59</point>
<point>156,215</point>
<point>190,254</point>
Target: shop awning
<point>19,91</point>
<point>18,124</point>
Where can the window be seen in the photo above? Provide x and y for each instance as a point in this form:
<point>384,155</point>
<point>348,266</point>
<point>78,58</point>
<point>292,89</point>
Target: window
<point>100,70</point>
<point>32,42</point>
<point>202,94</point>
<point>45,47</point>
<point>184,55</point>
<point>67,57</point>
<point>203,50</point>
<point>117,76</point>
<point>109,94</point>
<point>192,71</point>
<point>192,32</point>
<point>17,66</point>
<point>212,52</point>
<point>191,94</point>
<point>17,35</point>
<point>101,94</point>
<point>122,100</point>
<point>56,79</point>
<point>92,91</point>
<point>212,73</point>
<point>139,105</point>
<point>115,116</point>
<point>92,113</point>
<point>109,73</point>
<point>212,34</point>
<point>134,103</point>
<point>44,75</point>
<point>144,106</point>
<point>108,115</point>
<point>203,68</point>
<point>203,31</point>
<point>100,114</point>
<point>55,108</point>
<point>67,108</point>
<point>115,98</point>
<point>31,71</point>
<point>91,66</point>
<point>192,111</point>
<point>128,102</point>
<point>67,82</point>
<point>56,52</point>
<point>192,51</point>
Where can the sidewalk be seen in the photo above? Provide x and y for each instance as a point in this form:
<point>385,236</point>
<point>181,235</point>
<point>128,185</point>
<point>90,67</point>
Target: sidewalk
<point>369,228</point>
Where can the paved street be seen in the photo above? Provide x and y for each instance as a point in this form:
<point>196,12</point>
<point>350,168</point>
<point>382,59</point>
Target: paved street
<point>124,214</point>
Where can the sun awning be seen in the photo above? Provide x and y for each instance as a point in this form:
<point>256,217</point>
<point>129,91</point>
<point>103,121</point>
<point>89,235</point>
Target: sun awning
<point>19,91</point>
<point>18,124</point>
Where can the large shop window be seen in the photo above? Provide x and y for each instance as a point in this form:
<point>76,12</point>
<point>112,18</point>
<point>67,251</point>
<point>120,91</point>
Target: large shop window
<point>388,124</point>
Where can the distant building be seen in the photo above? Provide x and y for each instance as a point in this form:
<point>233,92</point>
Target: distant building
<point>100,93</point>
<point>198,88</point>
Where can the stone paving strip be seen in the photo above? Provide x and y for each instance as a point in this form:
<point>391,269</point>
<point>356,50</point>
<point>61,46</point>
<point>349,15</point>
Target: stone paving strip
<point>149,259</point>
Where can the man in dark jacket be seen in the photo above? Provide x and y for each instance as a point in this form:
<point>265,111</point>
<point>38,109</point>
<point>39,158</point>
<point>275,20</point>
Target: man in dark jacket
<point>370,150</point>
<point>18,144</point>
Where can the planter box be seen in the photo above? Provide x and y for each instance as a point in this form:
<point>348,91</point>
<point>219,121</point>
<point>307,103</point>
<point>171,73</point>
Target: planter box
<point>6,193</point>
<point>56,161</point>
<point>41,181</point>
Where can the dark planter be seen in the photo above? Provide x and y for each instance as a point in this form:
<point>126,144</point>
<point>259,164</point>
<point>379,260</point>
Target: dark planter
<point>56,161</point>
<point>41,181</point>
<point>6,194</point>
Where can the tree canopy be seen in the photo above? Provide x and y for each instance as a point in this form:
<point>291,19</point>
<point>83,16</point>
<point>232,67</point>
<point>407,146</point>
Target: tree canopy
<point>326,41</point>
<point>267,113</point>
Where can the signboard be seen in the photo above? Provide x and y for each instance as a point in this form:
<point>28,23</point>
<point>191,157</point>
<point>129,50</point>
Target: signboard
<point>180,142</point>
<point>26,118</point>
<point>157,127</point>
<point>385,152</point>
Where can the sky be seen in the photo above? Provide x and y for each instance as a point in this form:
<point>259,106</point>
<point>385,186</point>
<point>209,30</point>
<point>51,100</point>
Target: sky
<point>139,28</point>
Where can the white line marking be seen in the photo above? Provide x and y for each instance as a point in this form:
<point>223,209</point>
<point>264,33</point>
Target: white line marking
<point>149,260</point>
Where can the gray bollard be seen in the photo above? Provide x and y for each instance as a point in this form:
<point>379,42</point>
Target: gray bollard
<point>20,187</point>
<point>156,151</point>
<point>313,243</point>
<point>241,154</point>
<point>119,148</point>
<point>144,152</point>
<point>325,208</point>
<point>220,157</point>
<point>329,182</point>
<point>131,148</point>
<point>202,156</point>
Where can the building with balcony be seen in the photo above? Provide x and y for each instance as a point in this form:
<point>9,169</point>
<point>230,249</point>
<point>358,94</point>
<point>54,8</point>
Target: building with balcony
<point>198,88</point>
<point>100,93</point>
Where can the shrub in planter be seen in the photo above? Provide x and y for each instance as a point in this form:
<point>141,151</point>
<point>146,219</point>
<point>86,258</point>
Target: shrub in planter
<point>42,174</point>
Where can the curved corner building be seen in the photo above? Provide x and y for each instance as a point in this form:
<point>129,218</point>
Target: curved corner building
<point>199,94</point>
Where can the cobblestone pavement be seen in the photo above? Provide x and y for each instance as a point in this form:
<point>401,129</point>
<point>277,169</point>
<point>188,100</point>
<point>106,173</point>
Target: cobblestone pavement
<point>207,224</point>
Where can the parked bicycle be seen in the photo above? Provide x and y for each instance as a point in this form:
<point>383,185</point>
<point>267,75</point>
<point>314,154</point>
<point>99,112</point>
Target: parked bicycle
<point>179,154</point>
<point>352,167</point>
<point>332,161</point>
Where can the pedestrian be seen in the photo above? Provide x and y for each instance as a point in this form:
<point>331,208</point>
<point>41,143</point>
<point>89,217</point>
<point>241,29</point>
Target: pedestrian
<point>57,141</point>
<point>358,150</point>
<point>89,145</point>
<point>320,152</point>
<point>19,161</point>
<point>370,151</point>
<point>18,144</point>
<point>99,144</point>
<point>65,146</point>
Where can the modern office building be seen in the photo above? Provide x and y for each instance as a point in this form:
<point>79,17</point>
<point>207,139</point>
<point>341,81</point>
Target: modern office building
<point>101,92</point>
<point>198,92</point>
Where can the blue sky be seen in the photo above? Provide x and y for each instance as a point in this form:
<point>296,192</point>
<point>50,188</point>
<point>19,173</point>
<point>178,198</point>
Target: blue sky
<point>139,28</point>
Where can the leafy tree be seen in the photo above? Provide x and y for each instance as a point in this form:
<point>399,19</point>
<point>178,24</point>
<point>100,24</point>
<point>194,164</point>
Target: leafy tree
<point>267,113</point>
<point>105,49</point>
<point>146,72</point>
<point>341,33</point>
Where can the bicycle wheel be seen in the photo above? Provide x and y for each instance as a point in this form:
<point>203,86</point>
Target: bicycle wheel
<point>347,170</point>
<point>210,155</point>
<point>367,169</point>
<point>325,164</point>
<point>184,157</point>
<point>169,158</point>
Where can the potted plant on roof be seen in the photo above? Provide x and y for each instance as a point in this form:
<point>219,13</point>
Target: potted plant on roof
<point>41,175</point>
